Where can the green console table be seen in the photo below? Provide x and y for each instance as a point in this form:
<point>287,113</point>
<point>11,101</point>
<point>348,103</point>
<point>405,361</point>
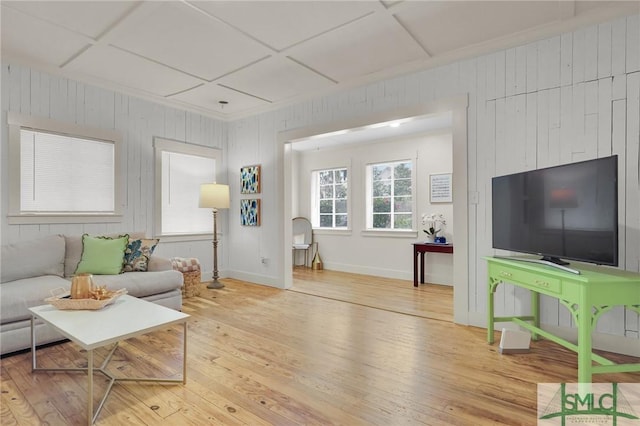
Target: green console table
<point>588,294</point>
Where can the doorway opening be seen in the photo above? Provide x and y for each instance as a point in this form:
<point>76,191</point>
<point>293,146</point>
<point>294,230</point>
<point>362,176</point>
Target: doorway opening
<point>455,110</point>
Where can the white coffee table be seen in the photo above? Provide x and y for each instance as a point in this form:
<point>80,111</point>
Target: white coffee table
<point>127,317</point>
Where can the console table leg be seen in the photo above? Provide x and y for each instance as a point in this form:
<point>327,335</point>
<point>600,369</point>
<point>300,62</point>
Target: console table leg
<point>584,338</point>
<point>490,313</point>
<point>415,267</point>
<point>535,311</point>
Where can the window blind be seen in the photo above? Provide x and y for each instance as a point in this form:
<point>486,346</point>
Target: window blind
<point>60,173</point>
<point>182,175</point>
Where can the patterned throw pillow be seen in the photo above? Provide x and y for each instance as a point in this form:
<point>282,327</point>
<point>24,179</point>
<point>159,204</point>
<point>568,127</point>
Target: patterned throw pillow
<point>137,254</point>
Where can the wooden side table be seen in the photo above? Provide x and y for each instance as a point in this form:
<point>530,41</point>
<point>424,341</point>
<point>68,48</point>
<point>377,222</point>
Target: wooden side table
<point>419,249</point>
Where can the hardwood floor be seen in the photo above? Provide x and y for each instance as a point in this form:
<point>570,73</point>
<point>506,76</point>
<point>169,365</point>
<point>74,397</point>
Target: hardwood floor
<point>427,300</point>
<point>262,356</point>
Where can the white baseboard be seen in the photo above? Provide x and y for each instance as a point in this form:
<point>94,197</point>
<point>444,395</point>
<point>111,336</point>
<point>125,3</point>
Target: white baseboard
<point>255,278</point>
<point>386,273</point>
<point>367,270</point>
<point>606,342</point>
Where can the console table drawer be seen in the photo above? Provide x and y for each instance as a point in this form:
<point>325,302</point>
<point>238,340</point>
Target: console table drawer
<point>529,280</point>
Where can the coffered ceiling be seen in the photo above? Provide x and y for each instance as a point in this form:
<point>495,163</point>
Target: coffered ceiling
<point>261,55</point>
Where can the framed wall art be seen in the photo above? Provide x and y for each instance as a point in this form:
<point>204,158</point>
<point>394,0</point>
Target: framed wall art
<point>250,212</point>
<point>440,188</point>
<point>250,179</point>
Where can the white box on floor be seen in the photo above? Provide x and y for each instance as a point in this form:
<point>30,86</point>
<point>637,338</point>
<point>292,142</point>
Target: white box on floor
<point>514,342</point>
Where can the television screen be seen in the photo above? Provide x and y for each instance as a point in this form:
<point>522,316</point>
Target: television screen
<point>568,211</point>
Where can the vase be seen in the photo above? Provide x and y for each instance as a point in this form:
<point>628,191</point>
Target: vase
<point>316,263</point>
<point>81,286</point>
<point>430,239</point>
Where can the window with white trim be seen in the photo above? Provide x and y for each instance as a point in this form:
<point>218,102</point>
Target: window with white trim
<point>180,170</point>
<point>390,195</point>
<point>330,198</point>
<point>62,172</point>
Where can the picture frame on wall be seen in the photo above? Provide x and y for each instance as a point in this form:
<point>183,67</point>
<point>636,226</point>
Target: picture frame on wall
<point>250,212</point>
<point>250,179</point>
<point>440,188</point>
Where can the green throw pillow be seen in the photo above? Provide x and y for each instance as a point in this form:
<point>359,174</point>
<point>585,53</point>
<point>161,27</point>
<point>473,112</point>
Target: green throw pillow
<point>102,255</point>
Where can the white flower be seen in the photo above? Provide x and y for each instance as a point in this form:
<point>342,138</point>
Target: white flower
<point>434,223</point>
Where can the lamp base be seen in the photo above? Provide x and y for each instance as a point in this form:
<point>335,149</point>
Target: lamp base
<point>215,284</point>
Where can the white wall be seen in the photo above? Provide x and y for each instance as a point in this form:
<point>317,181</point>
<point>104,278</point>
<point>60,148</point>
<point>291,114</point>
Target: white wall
<point>567,98</point>
<point>30,92</point>
<point>558,100</point>
<point>361,252</point>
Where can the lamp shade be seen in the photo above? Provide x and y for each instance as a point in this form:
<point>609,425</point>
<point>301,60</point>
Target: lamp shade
<point>214,196</point>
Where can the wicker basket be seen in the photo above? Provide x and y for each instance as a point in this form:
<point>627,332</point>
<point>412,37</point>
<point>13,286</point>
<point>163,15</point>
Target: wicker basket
<point>191,286</point>
<point>83,304</point>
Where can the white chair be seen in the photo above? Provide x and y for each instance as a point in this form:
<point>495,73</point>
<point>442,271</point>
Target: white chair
<point>302,238</point>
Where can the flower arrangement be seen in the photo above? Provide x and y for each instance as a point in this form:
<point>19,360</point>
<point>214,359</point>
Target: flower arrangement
<point>434,223</point>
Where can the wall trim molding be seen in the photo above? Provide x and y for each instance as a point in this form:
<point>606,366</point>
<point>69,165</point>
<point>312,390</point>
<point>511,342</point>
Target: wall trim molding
<point>458,106</point>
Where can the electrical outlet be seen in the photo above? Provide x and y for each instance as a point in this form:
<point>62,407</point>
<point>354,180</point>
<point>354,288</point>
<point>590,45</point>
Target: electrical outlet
<point>474,197</point>
<point>263,260</point>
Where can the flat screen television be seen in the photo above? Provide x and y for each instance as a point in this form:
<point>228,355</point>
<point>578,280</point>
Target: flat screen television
<point>563,212</point>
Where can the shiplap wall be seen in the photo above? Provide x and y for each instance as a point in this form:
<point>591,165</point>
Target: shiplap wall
<point>567,98</point>
<point>30,92</point>
<point>562,99</point>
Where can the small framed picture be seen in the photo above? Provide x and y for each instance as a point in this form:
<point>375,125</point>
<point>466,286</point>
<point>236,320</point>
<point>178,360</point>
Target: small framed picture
<point>440,190</point>
<point>250,179</point>
<point>250,212</point>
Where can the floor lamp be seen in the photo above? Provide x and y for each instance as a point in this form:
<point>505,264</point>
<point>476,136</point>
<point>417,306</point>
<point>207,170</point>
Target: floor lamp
<point>214,196</point>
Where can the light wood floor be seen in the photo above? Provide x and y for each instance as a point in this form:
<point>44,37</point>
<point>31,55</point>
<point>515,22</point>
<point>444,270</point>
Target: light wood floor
<point>428,300</point>
<point>262,356</point>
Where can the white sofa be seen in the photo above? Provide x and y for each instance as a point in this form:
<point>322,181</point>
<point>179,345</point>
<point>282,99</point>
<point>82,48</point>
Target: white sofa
<point>30,271</point>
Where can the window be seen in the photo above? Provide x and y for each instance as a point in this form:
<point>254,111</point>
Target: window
<point>180,170</point>
<point>62,172</point>
<point>330,198</point>
<point>390,195</point>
